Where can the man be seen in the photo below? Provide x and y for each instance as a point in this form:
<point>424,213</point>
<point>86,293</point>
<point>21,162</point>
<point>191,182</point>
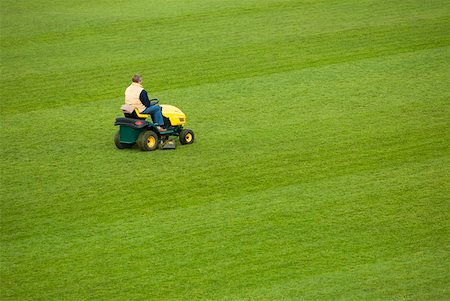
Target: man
<point>136,96</point>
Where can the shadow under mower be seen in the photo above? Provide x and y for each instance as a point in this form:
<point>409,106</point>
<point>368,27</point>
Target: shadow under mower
<point>135,129</point>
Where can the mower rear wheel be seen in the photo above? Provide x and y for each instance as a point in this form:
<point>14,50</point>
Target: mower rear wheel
<point>148,141</point>
<point>120,145</point>
<point>187,137</point>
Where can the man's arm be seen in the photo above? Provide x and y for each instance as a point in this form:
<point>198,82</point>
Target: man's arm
<point>143,97</point>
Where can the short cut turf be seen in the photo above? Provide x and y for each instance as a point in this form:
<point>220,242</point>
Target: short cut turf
<point>320,169</point>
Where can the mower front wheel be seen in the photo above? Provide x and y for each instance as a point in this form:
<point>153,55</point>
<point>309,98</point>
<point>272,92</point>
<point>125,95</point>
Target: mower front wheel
<point>186,137</point>
<point>147,141</point>
<point>120,145</point>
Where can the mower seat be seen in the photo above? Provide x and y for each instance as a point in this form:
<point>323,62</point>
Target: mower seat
<point>136,115</point>
<point>132,123</point>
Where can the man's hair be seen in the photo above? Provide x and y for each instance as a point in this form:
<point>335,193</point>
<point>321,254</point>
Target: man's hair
<point>136,78</point>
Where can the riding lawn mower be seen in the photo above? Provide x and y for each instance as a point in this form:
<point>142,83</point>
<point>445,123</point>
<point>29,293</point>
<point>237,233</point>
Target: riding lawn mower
<point>135,129</point>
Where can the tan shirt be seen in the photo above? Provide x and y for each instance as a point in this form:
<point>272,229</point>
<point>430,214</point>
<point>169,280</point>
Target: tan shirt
<point>132,96</point>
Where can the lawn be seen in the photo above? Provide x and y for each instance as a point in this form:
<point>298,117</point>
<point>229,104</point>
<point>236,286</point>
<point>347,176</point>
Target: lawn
<point>320,170</point>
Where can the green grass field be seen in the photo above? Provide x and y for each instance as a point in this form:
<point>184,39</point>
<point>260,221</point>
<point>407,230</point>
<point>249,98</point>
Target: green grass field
<point>320,171</point>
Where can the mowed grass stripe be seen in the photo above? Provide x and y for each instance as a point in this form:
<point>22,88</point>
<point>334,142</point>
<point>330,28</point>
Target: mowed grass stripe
<point>308,15</point>
<point>248,64</point>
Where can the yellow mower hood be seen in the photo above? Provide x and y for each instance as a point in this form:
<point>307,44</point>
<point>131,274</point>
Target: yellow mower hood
<point>175,115</point>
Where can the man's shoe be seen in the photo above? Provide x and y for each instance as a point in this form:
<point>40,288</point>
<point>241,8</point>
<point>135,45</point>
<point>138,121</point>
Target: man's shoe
<point>161,129</point>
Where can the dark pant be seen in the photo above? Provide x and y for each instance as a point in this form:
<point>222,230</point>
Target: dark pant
<point>155,112</point>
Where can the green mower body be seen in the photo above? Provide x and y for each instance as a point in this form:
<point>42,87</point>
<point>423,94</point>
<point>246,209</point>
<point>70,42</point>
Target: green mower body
<point>128,134</point>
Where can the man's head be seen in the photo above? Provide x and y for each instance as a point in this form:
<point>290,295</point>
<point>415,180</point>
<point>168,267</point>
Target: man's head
<point>136,79</point>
